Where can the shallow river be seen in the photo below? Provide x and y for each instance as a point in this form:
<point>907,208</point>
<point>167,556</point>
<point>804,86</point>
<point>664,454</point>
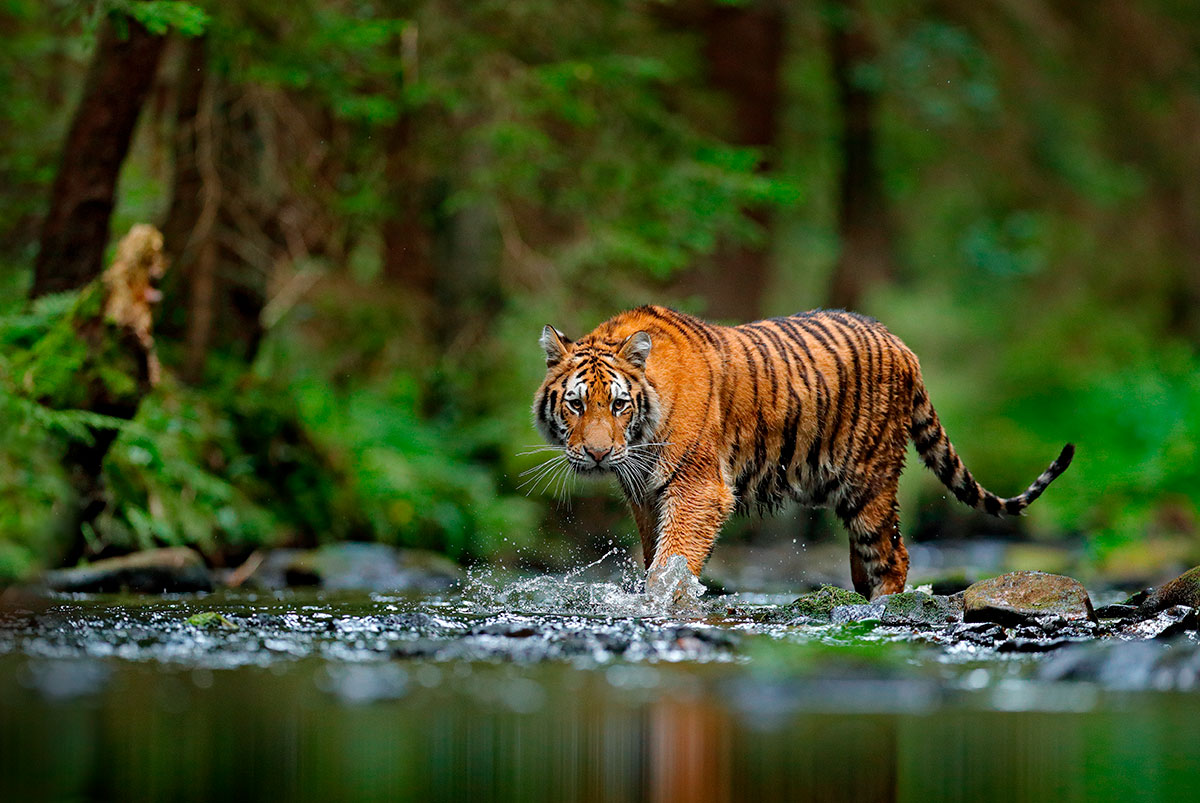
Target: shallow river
<point>560,688</point>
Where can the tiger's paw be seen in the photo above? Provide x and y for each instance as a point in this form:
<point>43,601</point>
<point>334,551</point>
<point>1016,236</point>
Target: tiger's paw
<point>672,586</point>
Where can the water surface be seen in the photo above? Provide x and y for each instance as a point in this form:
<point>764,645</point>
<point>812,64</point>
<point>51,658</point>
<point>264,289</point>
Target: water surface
<point>564,688</point>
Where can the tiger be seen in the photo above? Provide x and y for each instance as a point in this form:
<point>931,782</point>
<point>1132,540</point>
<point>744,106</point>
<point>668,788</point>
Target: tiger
<point>699,421</point>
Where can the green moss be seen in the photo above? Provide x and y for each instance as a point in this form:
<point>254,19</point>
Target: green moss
<point>820,603</point>
<point>211,619</point>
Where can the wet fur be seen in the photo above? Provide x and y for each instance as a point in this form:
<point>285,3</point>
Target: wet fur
<point>816,407</point>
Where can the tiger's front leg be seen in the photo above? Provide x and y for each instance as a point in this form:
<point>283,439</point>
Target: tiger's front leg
<point>690,513</point>
<point>646,517</point>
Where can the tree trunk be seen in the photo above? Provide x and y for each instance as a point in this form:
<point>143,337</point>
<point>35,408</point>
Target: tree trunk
<point>188,231</point>
<point>190,228</point>
<point>222,228</point>
<point>864,229</point>
<point>75,231</point>
<point>407,258</point>
<point>743,48</point>
<point>188,184</point>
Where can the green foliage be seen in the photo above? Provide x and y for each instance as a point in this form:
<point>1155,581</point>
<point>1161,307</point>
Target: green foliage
<point>416,478</point>
<point>178,475</point>
<point>33,485</point>
<point>294,458</point>
<point>580,125</point>
<point>561,160</point>
<point>351,60</point>
<point>36,87</point>
<point>282,456</point>
<point>42,358</point>
<point>162,16</point>
<point>33,491</point>
<point>1139,456</point>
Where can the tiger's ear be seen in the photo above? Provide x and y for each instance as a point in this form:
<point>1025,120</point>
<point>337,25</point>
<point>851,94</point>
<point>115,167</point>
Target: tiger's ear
<point>636,349</point>
<point>554,343</point>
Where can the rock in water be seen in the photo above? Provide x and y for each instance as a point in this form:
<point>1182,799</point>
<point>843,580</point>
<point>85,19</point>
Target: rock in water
<point>819,604</point>
<point>152,571</point>
<point>373,567</point>
<point>1165,624</point>
<point>982,634</point>
<point>908,609</point>
<point>916,608</point>
<point>1024,597</point>
<point>1117,611</point>
<point>1183,590</point>
<point>352,566</point>
<point>845,614</point>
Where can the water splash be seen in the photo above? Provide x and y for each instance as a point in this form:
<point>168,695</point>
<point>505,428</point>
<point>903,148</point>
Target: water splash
<point>677,593</point>
<point>672,586</point>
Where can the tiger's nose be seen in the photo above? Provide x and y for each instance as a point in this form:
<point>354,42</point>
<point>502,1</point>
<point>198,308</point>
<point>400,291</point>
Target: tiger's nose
<point>597,454</point>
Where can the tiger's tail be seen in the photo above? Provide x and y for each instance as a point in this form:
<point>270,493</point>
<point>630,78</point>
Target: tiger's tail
<point>939,455</point>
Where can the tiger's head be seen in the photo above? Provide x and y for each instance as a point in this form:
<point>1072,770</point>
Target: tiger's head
<point>596,402</point>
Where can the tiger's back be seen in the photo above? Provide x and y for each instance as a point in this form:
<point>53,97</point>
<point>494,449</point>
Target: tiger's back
<point>829,392</point>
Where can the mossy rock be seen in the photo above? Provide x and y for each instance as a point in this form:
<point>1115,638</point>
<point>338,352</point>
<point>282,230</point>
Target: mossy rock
<point>1024,597</point>
<point>1183,590</point>
<point>918,608</point>
<point>820,603</point>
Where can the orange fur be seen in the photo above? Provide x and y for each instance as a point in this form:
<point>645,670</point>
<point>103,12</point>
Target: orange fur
<point>698,421</point>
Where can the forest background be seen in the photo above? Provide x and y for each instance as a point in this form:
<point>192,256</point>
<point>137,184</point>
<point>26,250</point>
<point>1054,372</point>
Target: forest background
<point>372,207</point>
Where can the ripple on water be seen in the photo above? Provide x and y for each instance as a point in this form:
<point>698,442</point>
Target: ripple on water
<point>597,616</point>
<point>527,620</point>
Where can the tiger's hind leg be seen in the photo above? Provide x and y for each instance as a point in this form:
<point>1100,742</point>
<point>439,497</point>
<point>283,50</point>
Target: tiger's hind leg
<point>878,557</point>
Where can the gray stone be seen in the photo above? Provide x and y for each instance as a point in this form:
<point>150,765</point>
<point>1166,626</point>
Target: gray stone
<point>844,614</point>
<point>1126,665</point>
<point>1117,611</point>
<point>1036,645</point>
<point>506,629</point>
<point>1057,625</point>
<point>152,571</point>
<point>983,634</point>
<point>1026,597</point>
<point>918,609</point>
<point>358,566</point>
<point>1164,624</point>
<point>269,570</point>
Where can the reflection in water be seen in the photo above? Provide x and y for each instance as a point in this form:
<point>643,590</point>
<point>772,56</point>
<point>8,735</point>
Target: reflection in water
<point>553,733</point>
<point>688,754</point>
